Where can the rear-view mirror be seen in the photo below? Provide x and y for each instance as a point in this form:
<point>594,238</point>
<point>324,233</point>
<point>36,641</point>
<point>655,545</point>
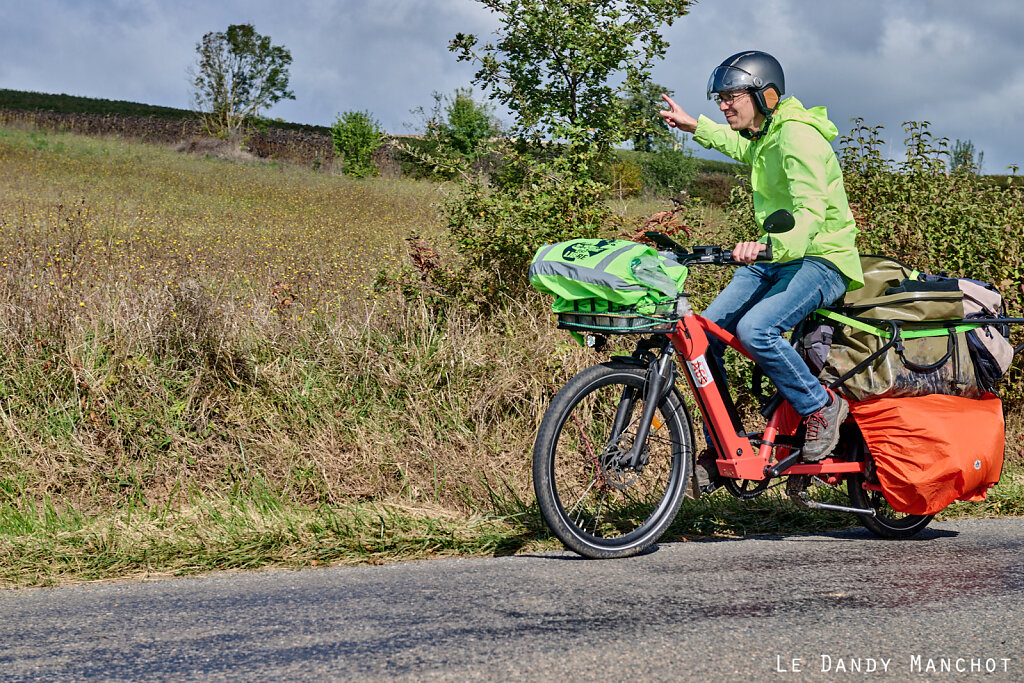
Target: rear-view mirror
<point>780,221</point>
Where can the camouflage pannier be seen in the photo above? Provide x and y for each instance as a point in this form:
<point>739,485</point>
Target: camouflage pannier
<point>924,352</point>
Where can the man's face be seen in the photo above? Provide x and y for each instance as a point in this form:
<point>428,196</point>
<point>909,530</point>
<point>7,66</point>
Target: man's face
<point>739,109</point>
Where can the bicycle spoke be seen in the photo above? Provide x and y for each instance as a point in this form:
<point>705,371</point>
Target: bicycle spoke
<point>597,516</point>
<point>587,496</point>
<point>583,497</point>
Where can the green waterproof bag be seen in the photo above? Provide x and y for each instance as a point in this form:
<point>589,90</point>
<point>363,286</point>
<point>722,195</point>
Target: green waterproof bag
<point>603,276</point>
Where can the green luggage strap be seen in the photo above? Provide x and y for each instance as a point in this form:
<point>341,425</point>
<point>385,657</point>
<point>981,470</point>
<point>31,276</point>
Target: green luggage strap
<point>895,337</point>
<point>878,332</point>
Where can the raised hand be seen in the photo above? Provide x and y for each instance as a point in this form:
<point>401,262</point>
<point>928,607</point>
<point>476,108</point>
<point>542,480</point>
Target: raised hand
<point>675,117</point>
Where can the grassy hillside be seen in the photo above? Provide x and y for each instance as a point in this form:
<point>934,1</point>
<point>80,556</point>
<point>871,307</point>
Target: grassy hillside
<point>72,104</point>
<point>274,139</point>
<point>271,139</point>
<point>197,371</point>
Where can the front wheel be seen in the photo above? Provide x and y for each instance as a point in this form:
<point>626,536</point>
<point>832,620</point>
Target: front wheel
<point>595,506</point>
<point>887,523</point>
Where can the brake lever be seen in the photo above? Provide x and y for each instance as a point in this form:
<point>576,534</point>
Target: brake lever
<point>710,254</point>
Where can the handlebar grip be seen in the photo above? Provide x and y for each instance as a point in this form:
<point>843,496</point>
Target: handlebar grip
<point>765,255</point>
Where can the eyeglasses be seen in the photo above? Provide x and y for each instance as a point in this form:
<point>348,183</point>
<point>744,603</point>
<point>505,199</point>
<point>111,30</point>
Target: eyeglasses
<point>729,97</point>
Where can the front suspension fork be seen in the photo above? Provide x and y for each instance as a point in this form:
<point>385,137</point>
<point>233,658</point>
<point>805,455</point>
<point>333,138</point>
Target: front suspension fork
<point>660,378</point>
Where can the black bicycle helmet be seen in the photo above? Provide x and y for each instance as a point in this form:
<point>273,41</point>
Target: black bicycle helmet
<point>757,72</point>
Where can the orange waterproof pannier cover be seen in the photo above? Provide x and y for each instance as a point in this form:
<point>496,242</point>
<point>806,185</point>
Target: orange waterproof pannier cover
<point>932,450</point>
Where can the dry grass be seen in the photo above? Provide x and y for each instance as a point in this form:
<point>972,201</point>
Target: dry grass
<point>173,326</point>
<point>197,372</point>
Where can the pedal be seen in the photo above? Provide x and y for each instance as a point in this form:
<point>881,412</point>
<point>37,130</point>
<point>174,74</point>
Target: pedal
<point>708,489</point>
<point>797,484</point>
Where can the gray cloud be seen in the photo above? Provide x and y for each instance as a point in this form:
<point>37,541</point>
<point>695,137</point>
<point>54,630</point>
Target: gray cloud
<point>949,63</point>
<point>955,64</point>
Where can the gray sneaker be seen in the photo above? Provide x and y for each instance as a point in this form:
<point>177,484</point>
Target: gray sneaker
<point>823,428</point>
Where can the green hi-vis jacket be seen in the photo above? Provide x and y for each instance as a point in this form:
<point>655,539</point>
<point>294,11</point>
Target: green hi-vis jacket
<point>793,167</point>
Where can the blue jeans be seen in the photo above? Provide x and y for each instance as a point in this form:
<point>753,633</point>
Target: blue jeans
<point>762,301</point>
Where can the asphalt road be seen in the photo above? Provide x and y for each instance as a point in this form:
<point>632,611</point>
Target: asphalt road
<point>948,605</point>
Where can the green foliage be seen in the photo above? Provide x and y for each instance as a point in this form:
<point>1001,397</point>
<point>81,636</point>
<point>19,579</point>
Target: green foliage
<point>466,125</point>
<point>650,134</point>
<point>237,74</point>
<point>916,211</point>
<point>357,135</point>
<point>919,213</point>
<point>962,157</point>
<point>555,64</point>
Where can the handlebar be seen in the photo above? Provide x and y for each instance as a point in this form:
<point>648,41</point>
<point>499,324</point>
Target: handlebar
<point>712,254</point>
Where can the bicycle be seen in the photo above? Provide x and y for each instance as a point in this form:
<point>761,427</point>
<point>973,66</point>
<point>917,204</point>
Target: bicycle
<point>615,449</point>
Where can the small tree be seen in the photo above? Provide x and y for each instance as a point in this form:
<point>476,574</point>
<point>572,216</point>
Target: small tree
<point>457,132</point>
<point>356,136</point>
<point>961,157</point>
<point>467,125</point>
<point>237,74</point>
<point>649,130</point>
<point>561,66</point>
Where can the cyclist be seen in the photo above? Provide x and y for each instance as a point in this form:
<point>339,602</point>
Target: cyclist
<point>793,167</point>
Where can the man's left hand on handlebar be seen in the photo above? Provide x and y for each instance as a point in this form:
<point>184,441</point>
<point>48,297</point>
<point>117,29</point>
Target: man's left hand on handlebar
<point>747,252</point>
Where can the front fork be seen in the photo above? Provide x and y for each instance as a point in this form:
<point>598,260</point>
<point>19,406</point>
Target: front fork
<point>660,377</point>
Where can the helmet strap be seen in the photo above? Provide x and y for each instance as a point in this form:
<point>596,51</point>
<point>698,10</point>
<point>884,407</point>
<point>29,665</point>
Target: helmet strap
<point>757,135</point>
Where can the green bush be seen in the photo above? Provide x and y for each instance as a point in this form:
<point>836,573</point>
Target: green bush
<point>627,179</point>
<point>667,173</point>
<point>356,136</point>
<point>464,125</point>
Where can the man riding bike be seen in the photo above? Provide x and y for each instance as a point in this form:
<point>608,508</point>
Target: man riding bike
<point>793,167</point>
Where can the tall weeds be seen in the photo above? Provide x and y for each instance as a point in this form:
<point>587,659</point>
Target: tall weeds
<point>197,371</point>
<point>114,392</point>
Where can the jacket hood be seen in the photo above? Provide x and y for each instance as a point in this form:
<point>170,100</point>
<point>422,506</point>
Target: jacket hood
<point>790,109</point>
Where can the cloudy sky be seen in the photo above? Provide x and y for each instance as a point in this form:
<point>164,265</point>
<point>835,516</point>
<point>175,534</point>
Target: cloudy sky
<point>959,65</point>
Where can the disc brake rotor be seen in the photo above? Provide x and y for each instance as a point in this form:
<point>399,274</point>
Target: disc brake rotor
<point>617,476</point>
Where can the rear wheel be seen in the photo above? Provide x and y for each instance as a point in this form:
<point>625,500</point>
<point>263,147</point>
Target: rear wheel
<point>887,523</point>
<point>595,506</point>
